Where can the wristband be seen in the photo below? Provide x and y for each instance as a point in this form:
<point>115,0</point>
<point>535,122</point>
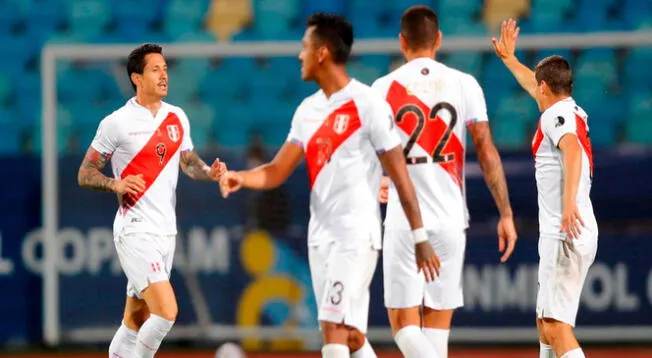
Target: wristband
<point>419,235</point>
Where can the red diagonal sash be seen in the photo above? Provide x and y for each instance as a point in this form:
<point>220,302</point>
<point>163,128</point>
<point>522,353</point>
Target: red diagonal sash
<point>335,129</point>
<point>537,140</point>
<point>429,132</point>
<point>154,156</point>
<point>583,136</point>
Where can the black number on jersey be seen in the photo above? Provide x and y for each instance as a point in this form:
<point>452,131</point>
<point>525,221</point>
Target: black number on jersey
<point>437,155</point>
<point>336,293</point>
<point>160,152</point>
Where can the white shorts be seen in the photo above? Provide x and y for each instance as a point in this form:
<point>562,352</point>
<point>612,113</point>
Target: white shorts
<point>341,273</point>
<point>145,259</point>
<point>405,287</point>
<point>562,271</point>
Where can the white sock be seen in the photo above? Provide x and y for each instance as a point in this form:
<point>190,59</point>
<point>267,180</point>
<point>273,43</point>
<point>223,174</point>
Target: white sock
<point>414,344</point>
<point>335,351</point>
<point>545,351</point>
<point>123,343</point>
<point>151,335</point>
<point>575,353</point>
<point>439,339</point>
<point>365,352</point>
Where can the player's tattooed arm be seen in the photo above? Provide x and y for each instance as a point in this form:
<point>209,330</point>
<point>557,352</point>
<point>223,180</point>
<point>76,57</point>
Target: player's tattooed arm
<point>90,176</point>
<point>492,166</point>
<point>194,167</point>
<point>90,172</point>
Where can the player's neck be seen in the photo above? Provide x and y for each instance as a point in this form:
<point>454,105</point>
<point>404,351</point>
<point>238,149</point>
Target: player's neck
<point>333,80</point>
<point>153,104</point>
<point>552,100</point>
<point>413,55</point>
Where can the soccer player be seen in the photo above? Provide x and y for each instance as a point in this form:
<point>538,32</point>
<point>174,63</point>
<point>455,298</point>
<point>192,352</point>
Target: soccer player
<point>433,106</point>
<point>341,130</point>
<point>568,231</point>
<point>146,141</point>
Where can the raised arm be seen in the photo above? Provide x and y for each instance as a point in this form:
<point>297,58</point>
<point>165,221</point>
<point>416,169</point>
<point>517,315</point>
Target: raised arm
<point>494,176</point>
<point>267,176</point>
<point>505,48</point>
<point>90,176</point>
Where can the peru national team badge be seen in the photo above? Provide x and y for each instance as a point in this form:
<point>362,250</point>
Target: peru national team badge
<point>341,123</point>
<point>173,132</point>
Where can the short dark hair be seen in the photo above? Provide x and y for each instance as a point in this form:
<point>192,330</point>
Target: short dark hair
<point>136,60</point>
<point>557,74</point>
<point>420,27</point>
<point>336,32</point>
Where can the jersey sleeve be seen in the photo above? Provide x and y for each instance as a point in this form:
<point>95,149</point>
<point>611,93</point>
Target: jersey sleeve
<point>380,126</point>
<point>186,143</point>
<point>294,136</point>
<point>106,137</point>
<point>557,124</point>
<point>475,106</point>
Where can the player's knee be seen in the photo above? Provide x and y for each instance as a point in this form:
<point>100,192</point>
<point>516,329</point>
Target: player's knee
<point>356,340</point>
<point>552,330</point>
<point>170,313</point>
<point>400,318</point>
<point>334,332</point>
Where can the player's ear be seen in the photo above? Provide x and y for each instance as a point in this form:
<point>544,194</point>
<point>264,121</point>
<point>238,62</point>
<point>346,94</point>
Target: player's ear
<point>322,54</point>
<point>401,40</point>
<point>438,40</point>
<point>135,79</point>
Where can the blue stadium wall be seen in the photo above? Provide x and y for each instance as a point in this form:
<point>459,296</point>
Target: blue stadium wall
<point>236,271</point>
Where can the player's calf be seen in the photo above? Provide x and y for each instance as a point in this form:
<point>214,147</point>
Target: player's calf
<point>335,337</point>
<point>162,305</point>
<point>359,346</point>
<point>561,337</point>
<point>409,338</point>
<point>437,327</point>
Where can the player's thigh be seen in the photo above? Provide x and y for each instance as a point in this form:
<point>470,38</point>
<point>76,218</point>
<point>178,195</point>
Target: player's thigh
<point>403,284</point>
<point>349,269</point>
<point>318,262</point>
<point>161,300</point>
<point>563,267</point>
<point>445,292</point>
<point>145,259</point>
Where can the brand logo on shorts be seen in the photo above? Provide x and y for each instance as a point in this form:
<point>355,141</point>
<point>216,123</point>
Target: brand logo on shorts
<point>341,123</point>
<point>173,132</point>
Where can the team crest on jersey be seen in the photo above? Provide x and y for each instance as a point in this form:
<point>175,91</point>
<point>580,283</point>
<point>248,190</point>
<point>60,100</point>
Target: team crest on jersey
<point>173,132</point>
<point>341,123</point>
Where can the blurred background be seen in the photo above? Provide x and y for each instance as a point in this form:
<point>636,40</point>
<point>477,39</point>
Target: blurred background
<point>241,267</point>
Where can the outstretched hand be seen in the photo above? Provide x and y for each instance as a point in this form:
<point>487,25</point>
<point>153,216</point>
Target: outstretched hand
<point>505,46</point>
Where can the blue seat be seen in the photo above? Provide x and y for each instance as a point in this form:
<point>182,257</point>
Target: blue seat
<point>639,130</point>
<point>6,86</point>
<point>14,53</point>
<point>10,15</point>
<point>508,133</point>
<point>89,17</point>
<point>364,73</point>
<point>461,26</point>
<point>638,59</point>
<point>602,130</point>
<point>545,20</point>
<point>46,15</point>
<point>64,132</point>
<point>274,17</point>
<point>10,138</point>
<point>181,16</point>
<point>597,64</point>
<point>379,62</point>
<point>518,107</point>
<point>466,61</point>
<point>459,8</point>
<point>558,5</point>
<point>313,6</point>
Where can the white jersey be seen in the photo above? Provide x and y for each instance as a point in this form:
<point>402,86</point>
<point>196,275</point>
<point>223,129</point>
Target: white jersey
<point>561,118</point>
<point>433,104</point>
<point>140,143</point>
<point>340,137</point>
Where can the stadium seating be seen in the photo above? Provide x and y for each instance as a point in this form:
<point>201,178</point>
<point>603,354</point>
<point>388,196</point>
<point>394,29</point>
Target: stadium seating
<point>228,99</point>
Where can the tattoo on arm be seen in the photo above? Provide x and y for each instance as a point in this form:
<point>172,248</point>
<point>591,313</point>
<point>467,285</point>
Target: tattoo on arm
<point>193,166</point>
<point>491,166</point>
<point>90,175</point>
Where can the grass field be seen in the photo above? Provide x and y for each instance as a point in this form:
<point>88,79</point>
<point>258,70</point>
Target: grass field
<point>591,352</point>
